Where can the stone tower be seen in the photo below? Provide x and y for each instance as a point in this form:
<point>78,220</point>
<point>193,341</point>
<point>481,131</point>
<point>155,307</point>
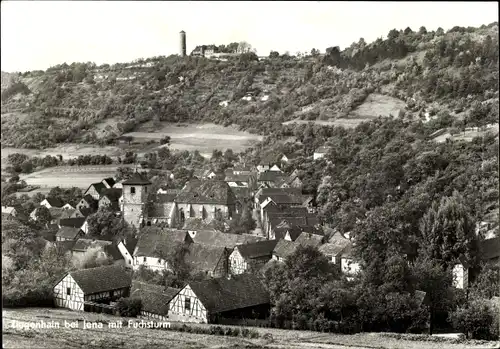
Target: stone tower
<point>183,44</point>
<point>135,193</point>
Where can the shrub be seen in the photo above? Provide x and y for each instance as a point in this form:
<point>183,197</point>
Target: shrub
<point>478,321</point>
<point>129,307</point>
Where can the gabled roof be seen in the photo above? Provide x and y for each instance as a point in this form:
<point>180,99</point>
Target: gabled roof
<point>270,159</point>
<point>257,249</point>
<point>197,224</point>
<point>278,191</point>
<point>54,202</point>
<point>64,246</point>
<point>282,199</point>
<point>113,252</point>
<point>99,187</point>
<point>130,244</point>
<point>203,258</point>
<point>109,181</point>
<point>237,178</point>
<point>285,248</point>
<point>335,246</point>
<point>270,176</point>
<point>68,232</point>
<point>152,240</point>
<point>89,199</point>
<point>136,179</point>
<point>220,239</point>
<point>72,222</point>
<point>8,210</point>
<point>222,294</point>
<point>102,279</point>
<point>307,239</point>
<point>155,298</point>
<point>113,194</point>
<point>166,198</point>
<point>206,192</point>
<point>490,248</point>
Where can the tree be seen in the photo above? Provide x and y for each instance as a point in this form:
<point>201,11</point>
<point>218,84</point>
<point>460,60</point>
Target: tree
<point>422,30</point>
<point>105,223</point>
<point>393,34</point>
<point>180,269</point>
<point>129,307</point>
<point>447,231</point>
<point>244,47</point>
<point>274,54</point>
<point>408,31</point>
<point>93,257</point>
<point>43,215</point>
<point>478,320</point>
<point>165,140</point>
<point>244,223</point>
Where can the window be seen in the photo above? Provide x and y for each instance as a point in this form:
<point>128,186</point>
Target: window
<point>144,259</point>
<point>129,261</point>
<point>187,304</point>
<point>145,189</point>
<point>159,260</point>
<point>111,294</point>
<point>68,291</point>
<point>132,190</point>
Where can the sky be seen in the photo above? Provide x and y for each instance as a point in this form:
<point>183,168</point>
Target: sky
<point>40,34</point>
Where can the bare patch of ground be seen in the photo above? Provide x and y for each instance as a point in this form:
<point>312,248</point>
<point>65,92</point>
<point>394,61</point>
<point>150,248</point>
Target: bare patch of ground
<point>377,105</point>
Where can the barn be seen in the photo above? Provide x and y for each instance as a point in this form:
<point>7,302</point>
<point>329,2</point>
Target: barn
<point>252,256</point>
<point>215,300</point>
<point>154,298</point>
<point>100,285</point>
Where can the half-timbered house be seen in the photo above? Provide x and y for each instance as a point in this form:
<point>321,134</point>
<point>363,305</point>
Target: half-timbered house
<point>68,233</point>
<point>210,301</point>
<point>100,285</point>
<point>250,257</point>
<point>95,190</point>
<point>155,299</point>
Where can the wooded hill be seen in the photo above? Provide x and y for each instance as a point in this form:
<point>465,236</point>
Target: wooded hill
<point>421,73</point>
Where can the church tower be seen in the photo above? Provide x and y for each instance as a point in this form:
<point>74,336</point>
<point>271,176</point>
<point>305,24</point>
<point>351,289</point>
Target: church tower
<point>135,193</point>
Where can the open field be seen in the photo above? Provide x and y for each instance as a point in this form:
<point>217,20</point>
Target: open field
<point>376,105</point>
<point>70,176</point>
<point>125,337</point>
<point>202,137</point>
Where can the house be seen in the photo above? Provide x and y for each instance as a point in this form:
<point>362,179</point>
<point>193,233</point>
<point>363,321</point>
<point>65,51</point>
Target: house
<point>154,244</point>
<point>68,233</point>
<point>8,212</point>
<point>214,300</point>
<point>79,222</point>
<point>277,223</point>
<point>489,252</point>
<point>154,298</point>
<point>56,214</point>
<point>52,202</point>
<point>284,249</point>
<point>202,174</point>
<point>268,163</point>
<point>269,179</point>
<point>205,199</point>
<point>287,158</point>
<point>220,239</point>
<point>334,247</point>
<point>103,284</point>
<point>87,203</point>
<point>126,248</point>
<point>208,261</point>
<point>95,190</point>
<point>239,181</point>
<point>251,256</point>
<point>109,182</point>
<point>242,170</point>
<point>348,263</point>
<point>308,239</point>
<point>162,210</point>
<point>263,193</point>
<point>320,152</point>
<point>68,207</point>
<point>110,197</point>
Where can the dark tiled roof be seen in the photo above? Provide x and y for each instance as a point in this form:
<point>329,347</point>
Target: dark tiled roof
<point>155,298</point>
<point>270,159</point>
<point>55,202</point>
<point>99,187</point>
<point>90,200</point>
<point>206,192</point>
<point>160,210</point>
<point>335,246</point>
<point>130,244</point>
<point>490,248</point>
<point>152,240</point>
<point>272,191</point>
<point>283,199</point>
<point>72,222</point>
<point>68,232</point>
<point>136,179</point>
<point>203,258</point>
<point>285,248</point>
<point>237,178</point>
<point>217,238</point>
<point>307,239</point>
<point>222,294</point>
<point>113,194</point>
<point>102,279</point>
<point>109,181</point>
<point>113,252</point>
<point>269,176</point>
<point>257,249</point>
<point>64,246</point>
<point>165,198</point>
<point>196,224</point>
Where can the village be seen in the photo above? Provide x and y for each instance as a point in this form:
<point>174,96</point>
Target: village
<point>229,265</point>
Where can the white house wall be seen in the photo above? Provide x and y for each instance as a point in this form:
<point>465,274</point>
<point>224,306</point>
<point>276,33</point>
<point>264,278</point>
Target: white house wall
<point>152,263</point>
<point>237,264</point>
<point>74,300</point>
<point>196,313</point>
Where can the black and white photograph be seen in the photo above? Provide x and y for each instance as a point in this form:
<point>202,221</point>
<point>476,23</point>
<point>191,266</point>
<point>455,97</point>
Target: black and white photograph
<point>250,175</point>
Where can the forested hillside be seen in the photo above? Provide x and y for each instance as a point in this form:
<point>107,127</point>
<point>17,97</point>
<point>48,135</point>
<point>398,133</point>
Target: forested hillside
<point>424,73</point>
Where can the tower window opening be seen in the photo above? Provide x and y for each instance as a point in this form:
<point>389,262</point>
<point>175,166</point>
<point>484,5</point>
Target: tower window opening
<point>132,190</point>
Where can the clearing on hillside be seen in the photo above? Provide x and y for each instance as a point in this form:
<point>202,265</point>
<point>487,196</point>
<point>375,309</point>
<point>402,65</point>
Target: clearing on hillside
<point>377,105</point>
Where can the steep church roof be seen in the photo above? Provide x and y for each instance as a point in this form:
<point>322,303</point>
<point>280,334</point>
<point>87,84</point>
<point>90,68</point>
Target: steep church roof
<point>206,192</point>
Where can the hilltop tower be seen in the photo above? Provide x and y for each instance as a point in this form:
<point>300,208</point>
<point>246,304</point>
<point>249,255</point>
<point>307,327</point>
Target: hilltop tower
<point>135,193</point>
<point>183,43</point>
